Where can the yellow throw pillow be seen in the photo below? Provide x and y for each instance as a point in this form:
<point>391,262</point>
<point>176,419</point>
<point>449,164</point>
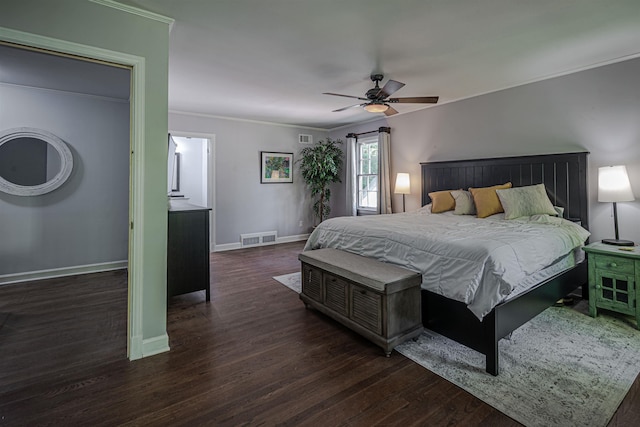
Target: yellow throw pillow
<point>487,201</point>
<point>442,201</point>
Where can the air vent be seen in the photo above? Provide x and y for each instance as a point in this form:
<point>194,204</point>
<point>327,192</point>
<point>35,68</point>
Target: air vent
<point>258,239</point>
<point>305,139</point>
<point>271,238</point>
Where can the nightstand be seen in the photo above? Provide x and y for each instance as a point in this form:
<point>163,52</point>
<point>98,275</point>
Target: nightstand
<point>614,279</point>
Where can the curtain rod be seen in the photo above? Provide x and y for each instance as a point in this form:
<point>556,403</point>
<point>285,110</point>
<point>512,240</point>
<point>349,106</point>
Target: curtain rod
<point>380,129</point>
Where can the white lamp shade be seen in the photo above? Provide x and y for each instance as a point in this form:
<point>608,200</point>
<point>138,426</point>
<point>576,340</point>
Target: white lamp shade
<point>403,185</point>
<point>614,185</point>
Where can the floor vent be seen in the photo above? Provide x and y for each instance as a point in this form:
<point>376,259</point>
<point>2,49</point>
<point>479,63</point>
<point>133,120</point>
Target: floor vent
<point>258,239</point>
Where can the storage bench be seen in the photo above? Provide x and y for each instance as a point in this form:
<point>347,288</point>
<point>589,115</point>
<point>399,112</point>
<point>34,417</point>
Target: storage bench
<point>379,301</point>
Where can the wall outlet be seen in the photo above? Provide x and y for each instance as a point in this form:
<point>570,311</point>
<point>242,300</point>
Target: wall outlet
<point>300,224</point>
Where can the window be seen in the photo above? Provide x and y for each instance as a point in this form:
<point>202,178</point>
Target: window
<point>367,174</point>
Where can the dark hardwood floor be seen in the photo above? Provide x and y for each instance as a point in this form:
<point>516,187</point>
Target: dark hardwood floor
<point>252,356</point>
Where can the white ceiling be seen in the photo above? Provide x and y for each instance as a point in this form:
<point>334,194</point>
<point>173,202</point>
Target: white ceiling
<point>271,60</point>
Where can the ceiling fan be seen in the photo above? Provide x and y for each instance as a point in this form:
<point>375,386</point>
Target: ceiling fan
<point>378,97</point>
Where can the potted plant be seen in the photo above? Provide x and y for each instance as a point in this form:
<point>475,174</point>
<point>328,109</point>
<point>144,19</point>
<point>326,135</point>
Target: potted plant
<point>320,165</point>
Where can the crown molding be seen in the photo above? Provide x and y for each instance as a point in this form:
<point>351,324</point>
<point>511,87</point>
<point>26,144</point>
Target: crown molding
<point>136,11</point>
<point>237,119</point>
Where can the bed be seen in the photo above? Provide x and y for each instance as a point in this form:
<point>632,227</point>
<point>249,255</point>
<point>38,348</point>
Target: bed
<point>481,327</point>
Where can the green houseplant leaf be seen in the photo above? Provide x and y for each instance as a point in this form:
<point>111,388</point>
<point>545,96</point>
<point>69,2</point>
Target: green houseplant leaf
<point>320,165</point>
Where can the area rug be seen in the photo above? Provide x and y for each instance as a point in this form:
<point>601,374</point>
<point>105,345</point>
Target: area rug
<point>563,368</point>
<point>291,281</point>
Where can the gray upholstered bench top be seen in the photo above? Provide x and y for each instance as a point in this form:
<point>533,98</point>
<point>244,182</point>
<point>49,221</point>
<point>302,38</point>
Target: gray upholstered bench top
<point>365,271</point>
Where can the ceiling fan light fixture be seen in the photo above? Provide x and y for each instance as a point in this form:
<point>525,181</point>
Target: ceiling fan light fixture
<point>376,107</point>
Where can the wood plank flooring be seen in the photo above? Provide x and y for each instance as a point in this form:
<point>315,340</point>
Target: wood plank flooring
<point>252,356</point>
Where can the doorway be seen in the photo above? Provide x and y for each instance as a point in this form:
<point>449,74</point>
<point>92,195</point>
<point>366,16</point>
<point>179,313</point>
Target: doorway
<point>194,178</point>
<point>51,240</point>
<point>137,346</point>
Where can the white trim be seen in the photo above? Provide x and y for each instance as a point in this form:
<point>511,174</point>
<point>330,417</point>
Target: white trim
<point>63,46</point>
<point>135,345</point>
<point>294,238</point>
<point>68,92</point>
<point>359,143</point>
<point>136,205</point>
<point>75,270</point>
<point>211,189</point>
<point>136,11</point>
<point>286,239</point>
<point>211,178</point>
<point>227,247</point>
<point>236,119</point>
<point>155,345</point>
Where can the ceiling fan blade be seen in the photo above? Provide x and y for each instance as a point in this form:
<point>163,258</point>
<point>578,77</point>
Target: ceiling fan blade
<point>346,108</point>
<point>390,111</point>
<point>390,87</point>
<point>345,96</point>
<point>416,100</point>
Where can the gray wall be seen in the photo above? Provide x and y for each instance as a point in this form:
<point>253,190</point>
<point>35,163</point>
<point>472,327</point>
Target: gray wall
<point>595,110</point>
<point>84,221</point>
<point>91,24</point>
<point>243,204</point>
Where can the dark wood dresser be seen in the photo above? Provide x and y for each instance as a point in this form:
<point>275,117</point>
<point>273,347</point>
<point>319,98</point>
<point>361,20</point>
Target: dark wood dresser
<point>187,249</point>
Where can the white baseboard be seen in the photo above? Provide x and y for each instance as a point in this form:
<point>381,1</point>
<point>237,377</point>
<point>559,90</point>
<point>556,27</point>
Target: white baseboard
<point>6,279</point>
<point>155,345</point>
<point>226,247</point>
<point>148,347</point>
<point>294,238</point>
<point>286,239</point>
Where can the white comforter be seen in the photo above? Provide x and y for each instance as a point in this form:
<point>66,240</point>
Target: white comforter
<point>475,261</point>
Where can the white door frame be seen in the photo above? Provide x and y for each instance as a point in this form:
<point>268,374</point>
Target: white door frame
<point>136,178</point>
<point>211,178</point>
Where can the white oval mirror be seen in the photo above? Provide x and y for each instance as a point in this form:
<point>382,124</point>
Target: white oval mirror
<point>33,162</point>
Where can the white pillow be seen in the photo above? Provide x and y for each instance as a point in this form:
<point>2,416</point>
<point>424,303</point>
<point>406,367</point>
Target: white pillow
<point>525,201</point>
<point>559,211</point>
<point>464,203</point>
<point>425,210</point>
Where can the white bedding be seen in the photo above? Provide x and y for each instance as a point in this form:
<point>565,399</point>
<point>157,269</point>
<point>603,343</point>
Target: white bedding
<point>476,261</point>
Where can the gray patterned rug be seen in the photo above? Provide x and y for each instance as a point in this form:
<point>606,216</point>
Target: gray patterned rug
<point>291,281</point>
<point>562,368</point>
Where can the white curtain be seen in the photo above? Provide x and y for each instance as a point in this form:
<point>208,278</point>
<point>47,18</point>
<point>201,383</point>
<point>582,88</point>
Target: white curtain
<point>350,181</point>
<point>384,180</point>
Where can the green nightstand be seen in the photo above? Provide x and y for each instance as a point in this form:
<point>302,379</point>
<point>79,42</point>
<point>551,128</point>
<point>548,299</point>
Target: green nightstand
<point>614,279</point>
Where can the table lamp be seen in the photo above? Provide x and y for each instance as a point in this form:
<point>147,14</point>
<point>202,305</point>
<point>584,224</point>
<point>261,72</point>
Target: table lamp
<point>403,185</point>
<point>614,186</point>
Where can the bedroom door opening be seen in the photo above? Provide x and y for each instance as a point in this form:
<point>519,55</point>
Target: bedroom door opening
<point>72,242</point>
<point>194,174</point>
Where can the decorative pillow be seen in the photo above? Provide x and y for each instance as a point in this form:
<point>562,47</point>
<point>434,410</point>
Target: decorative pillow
<point>464,203</point>
<point>425,210</point>
<point>442,201</point>
<point>525,201</point>
<point>486,200</point>
<point>559,211</point>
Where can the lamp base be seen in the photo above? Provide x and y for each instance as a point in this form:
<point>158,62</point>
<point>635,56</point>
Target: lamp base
<point>618,242</point>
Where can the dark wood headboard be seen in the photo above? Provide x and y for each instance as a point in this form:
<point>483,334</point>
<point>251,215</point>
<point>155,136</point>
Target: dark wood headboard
<point>564,175</point>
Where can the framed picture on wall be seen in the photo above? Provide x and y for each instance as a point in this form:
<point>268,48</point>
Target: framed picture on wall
<point>276,168</point>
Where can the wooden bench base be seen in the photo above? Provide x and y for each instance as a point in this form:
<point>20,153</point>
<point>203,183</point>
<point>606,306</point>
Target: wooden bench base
<point>379,301</point>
